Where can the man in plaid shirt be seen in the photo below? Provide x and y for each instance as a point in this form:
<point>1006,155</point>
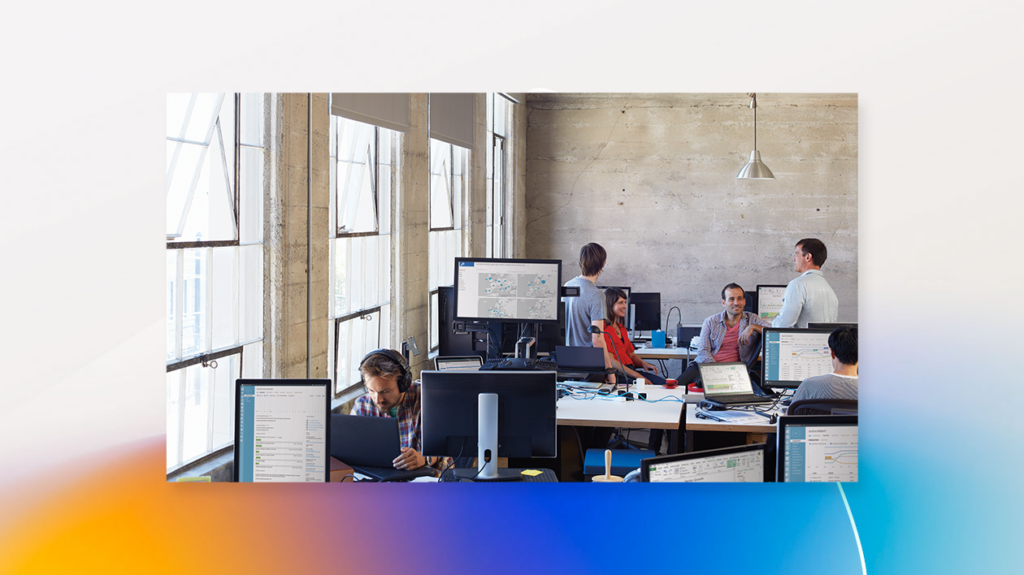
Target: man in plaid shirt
<point>383,399</point>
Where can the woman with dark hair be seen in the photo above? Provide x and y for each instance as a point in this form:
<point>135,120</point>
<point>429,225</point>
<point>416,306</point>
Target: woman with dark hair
<point>616,340</point>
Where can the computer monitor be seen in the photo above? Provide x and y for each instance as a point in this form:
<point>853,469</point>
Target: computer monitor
<point>459,363</point>
<point>743,464</point>
<point>816,448</point>
<point>281,430</point>
<point>451,342</point>
<point>831,325</point>
<point>526,412</point>
<point>646,310</point>
<point>629,291</point>
<point>792,354</point>
<point>769,300</point>
<point>507,289</point>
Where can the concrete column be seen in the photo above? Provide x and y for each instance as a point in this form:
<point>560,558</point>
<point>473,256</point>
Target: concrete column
<point>515,202</point>
<point>286,334</point>
<point>474,209</point>
<point>411,226</point>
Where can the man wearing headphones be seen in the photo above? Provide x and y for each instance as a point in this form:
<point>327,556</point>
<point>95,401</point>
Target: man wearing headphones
<point>391,392</point>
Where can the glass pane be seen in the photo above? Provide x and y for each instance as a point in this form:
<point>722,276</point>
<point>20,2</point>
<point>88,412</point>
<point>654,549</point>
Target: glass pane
<point>252,356</point>
<point>384,268</point>
<point>179,182</point>
<point>197,413</point>
<point>440,184</point>
<point>251,195</point>
<point>356,338</point>
<point>340,276</point>
<point>500,104</point>
<point>204,113</point>
<point>387,140</point>
<point>224,281</point>
<point>499,196</point>
<point>193,336</point>
<point>228,370</point>
<point>173,411</point>
<point>385,340</point>
<point>357,261</point>
<point>250,321</point>
<point>432,257</point>
<point>433,321</point>
<point>354,173</point>
<point>172,302</point>
<point>489,121</point>
<point>177,105</point>
<point>224,136</point>
<point>251,119</point>
<point>210,214</point>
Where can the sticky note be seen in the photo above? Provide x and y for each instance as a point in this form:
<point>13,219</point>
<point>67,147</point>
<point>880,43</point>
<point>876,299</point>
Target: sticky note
<point>532,472</point>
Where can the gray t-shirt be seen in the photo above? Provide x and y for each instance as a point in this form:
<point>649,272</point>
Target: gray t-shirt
<point>581,312</point>
<point>828,386</point>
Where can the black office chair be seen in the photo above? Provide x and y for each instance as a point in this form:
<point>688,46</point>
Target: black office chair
<point>822,406</point>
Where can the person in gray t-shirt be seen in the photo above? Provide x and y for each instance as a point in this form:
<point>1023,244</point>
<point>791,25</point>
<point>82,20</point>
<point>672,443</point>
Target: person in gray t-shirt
<point>587,309</point>
<point>842,382</point>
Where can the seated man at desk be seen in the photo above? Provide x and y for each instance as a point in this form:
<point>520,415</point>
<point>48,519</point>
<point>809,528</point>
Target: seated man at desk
<point>842,382</point>
<point>391,392</point>
<point>731,335</point>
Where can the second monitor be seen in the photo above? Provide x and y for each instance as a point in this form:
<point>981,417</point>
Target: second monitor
<point>646,308</point>
<point>508,289</point>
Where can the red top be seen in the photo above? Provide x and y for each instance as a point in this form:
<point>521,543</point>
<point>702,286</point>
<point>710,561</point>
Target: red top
<point>730,350</point>
<point>616,339</point>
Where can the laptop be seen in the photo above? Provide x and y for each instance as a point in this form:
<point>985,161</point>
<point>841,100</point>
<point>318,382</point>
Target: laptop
<point>458,363</point>
<point>369,445</point>
<point>728,383</point>
<point>579,358</point>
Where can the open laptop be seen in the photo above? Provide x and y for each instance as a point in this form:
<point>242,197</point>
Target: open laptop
<point>369,445</point>
<point>579,358</point>
<point>458,363</point>
<point>728,383</point>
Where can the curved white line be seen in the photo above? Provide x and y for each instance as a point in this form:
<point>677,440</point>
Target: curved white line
<point>856,535</point>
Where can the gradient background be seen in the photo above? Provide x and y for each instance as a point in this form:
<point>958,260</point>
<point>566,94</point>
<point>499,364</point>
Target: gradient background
<point>81,228</point>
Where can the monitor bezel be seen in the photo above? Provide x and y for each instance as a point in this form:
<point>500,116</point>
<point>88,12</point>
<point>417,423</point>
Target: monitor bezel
<point>236,448</point>
<point>786,420</point>
<point>645,464</point>
<point>764,354</point>
<point>558,293</point>
<point>758,292</point>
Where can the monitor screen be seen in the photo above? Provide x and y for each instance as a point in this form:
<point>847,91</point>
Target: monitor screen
<point>725,378</point>
<point>468,363</point>
<point>526,412</point>
<point>281,430</point>
<point>629,291</point>
<point>646,310</point>
<point>769,301</point>
<point>815,448</point>
<point>744,464</point>
<point>791,355</point>
<point>513,290</point>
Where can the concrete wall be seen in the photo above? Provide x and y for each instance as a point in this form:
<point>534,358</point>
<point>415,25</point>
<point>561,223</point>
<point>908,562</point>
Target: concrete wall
<point>652,178</point>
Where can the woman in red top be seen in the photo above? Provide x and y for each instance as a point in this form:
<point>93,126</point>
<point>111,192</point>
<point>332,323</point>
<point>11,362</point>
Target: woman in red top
<point>617,340</point>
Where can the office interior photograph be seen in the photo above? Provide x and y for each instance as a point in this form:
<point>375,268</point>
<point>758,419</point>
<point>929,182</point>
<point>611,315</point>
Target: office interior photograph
<point>307,230</point>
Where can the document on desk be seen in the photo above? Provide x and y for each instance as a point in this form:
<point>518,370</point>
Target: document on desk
<point>737,416</point>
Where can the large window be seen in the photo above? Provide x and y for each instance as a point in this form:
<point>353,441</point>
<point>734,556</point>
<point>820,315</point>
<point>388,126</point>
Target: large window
<point>499,113</point>
<point>448,166</point>
<point>361,184</point>
<point>215,158</point>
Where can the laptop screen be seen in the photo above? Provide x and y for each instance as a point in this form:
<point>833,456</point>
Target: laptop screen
<point>815,448</point>
<point>469,363</point>
<point>725,379</point>
<point>743,464</point>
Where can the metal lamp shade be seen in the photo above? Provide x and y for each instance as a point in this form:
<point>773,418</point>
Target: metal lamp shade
<point>755,170</point>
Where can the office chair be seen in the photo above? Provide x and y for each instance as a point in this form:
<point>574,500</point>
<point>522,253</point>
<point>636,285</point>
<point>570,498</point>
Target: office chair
<point>821,406</point>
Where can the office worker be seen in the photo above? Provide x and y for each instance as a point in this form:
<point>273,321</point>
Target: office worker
<point>808,298</point>
<point>390,392</point>
<point>731,335</point>
<point>616,340</point>
<point>587,309</point>
<point>842,382</point>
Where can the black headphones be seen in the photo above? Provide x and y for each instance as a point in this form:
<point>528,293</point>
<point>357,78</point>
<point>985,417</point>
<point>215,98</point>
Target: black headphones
<point>404,375</point>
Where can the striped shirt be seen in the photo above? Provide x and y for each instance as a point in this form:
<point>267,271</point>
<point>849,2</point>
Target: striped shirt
<point>828,386</point>
<point>712,336</point>
<point>408,417</point>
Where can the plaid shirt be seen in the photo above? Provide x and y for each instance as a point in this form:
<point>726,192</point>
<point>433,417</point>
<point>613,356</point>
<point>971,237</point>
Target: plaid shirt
<point>408,418</point>
<point>712,334</point>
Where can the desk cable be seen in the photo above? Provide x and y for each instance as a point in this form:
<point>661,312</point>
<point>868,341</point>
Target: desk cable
<point>452,464</point>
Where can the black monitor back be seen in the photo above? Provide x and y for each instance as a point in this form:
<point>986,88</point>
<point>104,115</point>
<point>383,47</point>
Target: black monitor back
<point>449,342</point>
<point>646,310</point>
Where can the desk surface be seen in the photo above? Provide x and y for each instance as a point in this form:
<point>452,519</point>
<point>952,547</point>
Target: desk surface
<point>663,353</point>
<point>693,423</point>
<point>621,413</point>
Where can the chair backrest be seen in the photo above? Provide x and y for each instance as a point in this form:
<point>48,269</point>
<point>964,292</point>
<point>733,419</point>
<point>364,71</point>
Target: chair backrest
<point>821,406</point>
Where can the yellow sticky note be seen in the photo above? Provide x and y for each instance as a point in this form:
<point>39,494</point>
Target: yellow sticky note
<point>532,472</point>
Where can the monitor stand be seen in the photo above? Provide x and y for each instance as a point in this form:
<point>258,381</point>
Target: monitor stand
<point>487,446</point>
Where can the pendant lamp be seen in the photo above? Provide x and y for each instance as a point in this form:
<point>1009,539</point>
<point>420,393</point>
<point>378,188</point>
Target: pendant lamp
<point>755,170</point>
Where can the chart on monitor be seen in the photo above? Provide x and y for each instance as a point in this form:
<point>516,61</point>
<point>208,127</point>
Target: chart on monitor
<point>819,452</point>
<point>793,355</point>
<point>516,290</point>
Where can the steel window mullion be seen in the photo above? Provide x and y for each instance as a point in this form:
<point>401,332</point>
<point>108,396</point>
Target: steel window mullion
<point>208,312</point>
<point>182,382</point>
<point>179,303</point>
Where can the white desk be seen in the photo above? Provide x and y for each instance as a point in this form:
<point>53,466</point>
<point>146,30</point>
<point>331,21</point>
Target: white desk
<point>620,413</point>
